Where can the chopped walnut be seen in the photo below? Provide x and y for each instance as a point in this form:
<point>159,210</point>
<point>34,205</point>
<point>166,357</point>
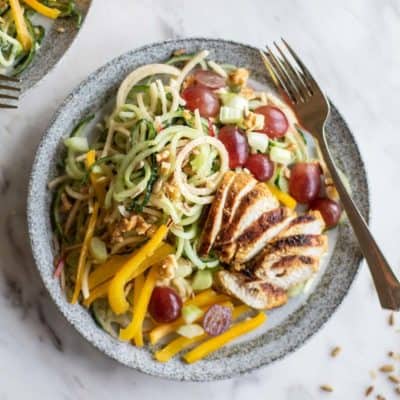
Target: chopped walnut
<point>179,52</point>
<point>65,203</point>
<point>239,77</point>
<point>330,189</point>
<point>183,287</point>
<point>167,270</point>
<point>189,81</point>
<point>247,92</point>
<point>127,224</point>
<point>172,191</point>
<point>163,156</point>
<point>252,121</point>
<point>165,167</point>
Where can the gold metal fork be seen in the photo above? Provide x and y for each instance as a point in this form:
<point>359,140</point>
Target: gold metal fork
<point>9,91</point>
<point>300,90</point>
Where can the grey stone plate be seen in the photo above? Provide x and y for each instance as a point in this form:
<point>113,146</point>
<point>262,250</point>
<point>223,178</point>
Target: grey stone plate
<point>288,327</point>
<point>53,47</point>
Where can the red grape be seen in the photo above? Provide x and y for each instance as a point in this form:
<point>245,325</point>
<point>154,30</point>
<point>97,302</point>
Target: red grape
<point>165,305</point>
<point>260,166</point>
<point>329,209</point>
<point>205,100</point>
<point>209,79</point>
<point>217,319</point>
<point>275,121</point>
<point>305,181</point>
<point>236,145</point>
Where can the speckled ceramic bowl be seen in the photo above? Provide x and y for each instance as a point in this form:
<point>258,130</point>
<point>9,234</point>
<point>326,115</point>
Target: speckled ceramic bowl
<point>288,327</point>
<point>53,47</point>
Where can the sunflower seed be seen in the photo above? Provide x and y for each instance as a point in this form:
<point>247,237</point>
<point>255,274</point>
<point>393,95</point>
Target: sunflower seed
<point>379,397</point>
<point>326,388</point>
<point>336,351</point>
<point>386,368</point>
<point>369,391</point>
<point>391,320</point>
<point>394,378</point>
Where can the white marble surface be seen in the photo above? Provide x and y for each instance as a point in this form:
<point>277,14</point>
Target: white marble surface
<point>353,48</point>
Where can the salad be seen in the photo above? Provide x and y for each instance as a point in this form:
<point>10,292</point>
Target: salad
<point>176,224</point>
<point>20,37</point>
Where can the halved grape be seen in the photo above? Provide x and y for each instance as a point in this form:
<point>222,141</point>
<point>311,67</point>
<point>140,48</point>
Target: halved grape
<point>217,319</point>
<point>205,100</point>
<point>275,121</point>
<point>209,79</point>
<point>165,305</point>
<point>305,181</point>
<point>260,166</point>
<point>329,209</point>
<point>236,145</point>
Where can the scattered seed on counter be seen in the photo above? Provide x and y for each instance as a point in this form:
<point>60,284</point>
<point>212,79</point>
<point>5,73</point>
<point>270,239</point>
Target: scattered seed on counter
<point>326,388</point>
<point>397,390</point>
<point>372,374</point>
<point>379,397</point>
<point>369,390</point>
<point>336,351</point>
<point>387,368</point>
<point>395,356</point>
<point>394,378</point>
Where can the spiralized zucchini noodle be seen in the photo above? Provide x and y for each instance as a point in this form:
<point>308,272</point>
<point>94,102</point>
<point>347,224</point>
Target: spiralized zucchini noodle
<point>21,35</point>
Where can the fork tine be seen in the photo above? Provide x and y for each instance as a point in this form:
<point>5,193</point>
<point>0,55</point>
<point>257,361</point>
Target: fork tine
<point>14,88</point>
<point>7,106</point>
<point>7,96</point>
<point>290,88</point>
<point>306,74</point>
<point>271,71</point>
<point>9,78</point>
<point>292,73</point>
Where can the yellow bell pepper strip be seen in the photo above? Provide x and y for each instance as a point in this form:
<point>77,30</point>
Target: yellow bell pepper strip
<point>160,331</point>
<point>285,198</point>
<point>52,13</point>
<point>102,279</point>
<point>116,296</point>
<point>206,297</point>
<point>181,343</point>
<point>22,30</point>
<point>107,270</point>
<point>176,346</point>
<point>138,286</point>
<point>139,313</point>
<point>219,341</point>
<point>84,252</point>
<point>98,187</point>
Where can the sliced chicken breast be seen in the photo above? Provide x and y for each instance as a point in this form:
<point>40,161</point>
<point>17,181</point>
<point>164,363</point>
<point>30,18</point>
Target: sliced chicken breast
<point>261,231</point>
<point>212,225</point>
<point>256,294</point>
<point>242,184</point>
<point>304,245</point>
<point>290,271</point>
<point>255,203</point>
<point>311,223</point>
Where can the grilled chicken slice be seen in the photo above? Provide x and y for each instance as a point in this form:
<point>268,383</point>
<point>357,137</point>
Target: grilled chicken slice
<point>290,271</point>
<point>242,184</point>
<point>256,202</point>
<point>305,245</point>
<point>212,225</point>
<point>311,223</point>
<point>260,232</point>
<point>256,294</point>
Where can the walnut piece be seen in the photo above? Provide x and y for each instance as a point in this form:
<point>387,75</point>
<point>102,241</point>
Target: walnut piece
<point>239,77</point>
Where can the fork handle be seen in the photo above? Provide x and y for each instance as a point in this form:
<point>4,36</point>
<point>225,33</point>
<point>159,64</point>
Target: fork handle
<point>386,283</point>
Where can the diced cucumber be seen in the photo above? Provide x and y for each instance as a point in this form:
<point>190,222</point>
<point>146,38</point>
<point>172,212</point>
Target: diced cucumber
<point>107,320</point>
<point>191,313</point>
<point>296,290</point>
<point>280,155</point>
<point>280,181</point>
<point>202,280</point>
<point>183,270</point>
<point>233,100</point>
<point>258,141</point>
<point>230,115</point>
<point>190,331</point>
<point>98,249</point>
<point>76,143</point>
